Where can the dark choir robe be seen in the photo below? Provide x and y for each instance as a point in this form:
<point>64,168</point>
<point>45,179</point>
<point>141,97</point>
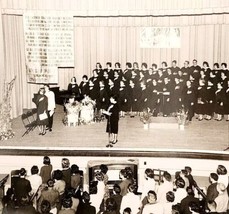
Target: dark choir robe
<point>112,90</point>
<point>192,68</point>
<point>220,101</point>
<point>143,99</point>
<point>144,72</point>
<point>95,81</point>
<point>74,89</point>
<point>136,97</point>
<point>210,100</point>
<point>93,93</point>
<point>207,72</point>
<point>112,120</point>
<point>117,83</point>
<point>176,97</point>
<point>123,99</point>
<point>186,72</point>
<point>110,73</point>
<point>226,106</point>
<point>201,104</point>
<point>166,98</point>
<point>188,101</point>
<point>160,81</point>
<point>127,74</point>
<point>130,97</point>
<point>102,100</point>
<point>153,101</point>
<point>196,75</point>
<point>175,70</point>
<point>84,89</point>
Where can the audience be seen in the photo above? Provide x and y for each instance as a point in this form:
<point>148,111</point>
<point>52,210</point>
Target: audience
<point>161,198</point>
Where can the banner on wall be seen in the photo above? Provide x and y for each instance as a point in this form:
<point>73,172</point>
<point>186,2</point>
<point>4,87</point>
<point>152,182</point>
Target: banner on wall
<point>49,44</point>
<point>160,37</point>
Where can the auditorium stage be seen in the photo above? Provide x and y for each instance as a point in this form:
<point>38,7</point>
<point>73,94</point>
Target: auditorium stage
<point>199,136</point>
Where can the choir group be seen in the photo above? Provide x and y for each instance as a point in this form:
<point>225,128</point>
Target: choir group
<point>162,91</point>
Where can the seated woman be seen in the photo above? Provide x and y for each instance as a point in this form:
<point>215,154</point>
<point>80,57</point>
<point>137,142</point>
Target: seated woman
<point>73,88</point>
<point>72,109</point>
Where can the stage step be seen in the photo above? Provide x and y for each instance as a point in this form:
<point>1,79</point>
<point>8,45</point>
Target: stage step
<point>163,123</point>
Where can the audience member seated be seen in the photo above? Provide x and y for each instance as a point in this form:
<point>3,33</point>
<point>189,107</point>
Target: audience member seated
<point>180,192</point>
<point>59,185</point>
<point>153,206</point>
<point>148,182</point>
<point>222,199</point>
<point>24,206</point>
<point>22,186</point>
<point>45,207</point>
<point>130,200</point>
<point>51,195</point>
<point>85,206</point>
<point>149,199</point>
<point>111,206</point>
<point>212,192</point>
<point>96,199</point>
<point>70,193</point>
<point>76,179</point>
<point>186,201</point>
<point>35,180</point>
<point>127,179</point>
<point>164,187</point>
<point>66,208</point>
<point>167,206</point>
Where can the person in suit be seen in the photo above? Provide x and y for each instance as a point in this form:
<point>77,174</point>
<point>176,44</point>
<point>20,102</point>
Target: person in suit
<point>41,102</point>
<point>22,186</point>
<point>112,113</point>
<point>51,106</point>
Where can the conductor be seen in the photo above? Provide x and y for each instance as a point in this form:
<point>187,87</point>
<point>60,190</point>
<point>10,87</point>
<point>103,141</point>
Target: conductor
<point>112,115</point>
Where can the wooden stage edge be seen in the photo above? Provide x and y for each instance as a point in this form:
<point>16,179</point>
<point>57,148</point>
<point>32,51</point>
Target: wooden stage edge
<point>114,152</point>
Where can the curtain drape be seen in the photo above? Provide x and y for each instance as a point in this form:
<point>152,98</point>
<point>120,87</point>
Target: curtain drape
<point>116,40</point>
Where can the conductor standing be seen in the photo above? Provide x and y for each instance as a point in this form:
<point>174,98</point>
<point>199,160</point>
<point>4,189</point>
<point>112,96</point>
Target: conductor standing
<point>112,115</point>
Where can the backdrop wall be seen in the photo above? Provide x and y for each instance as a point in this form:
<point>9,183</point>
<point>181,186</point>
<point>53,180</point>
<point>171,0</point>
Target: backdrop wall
<point>115,38</point>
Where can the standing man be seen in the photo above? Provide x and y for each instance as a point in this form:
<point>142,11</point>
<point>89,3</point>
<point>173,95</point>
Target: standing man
<point>51,106</point>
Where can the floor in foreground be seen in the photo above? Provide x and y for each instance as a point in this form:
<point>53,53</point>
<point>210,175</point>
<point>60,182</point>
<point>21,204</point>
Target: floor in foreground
<point>198,135</point>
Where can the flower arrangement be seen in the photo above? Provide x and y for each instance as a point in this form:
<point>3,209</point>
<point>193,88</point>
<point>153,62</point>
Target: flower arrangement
<point>145,117</point>
<point>5,108</point>
<point>182,116</point>
<point>87,101</point>
<point>87,110</point>
<point>73,108</point>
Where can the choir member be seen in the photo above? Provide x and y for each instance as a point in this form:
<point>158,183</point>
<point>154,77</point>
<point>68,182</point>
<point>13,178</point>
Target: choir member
<point>226,109</point>
<point>174,67</point>
<point>200,108</point>
<point>210,99</point>
<point>188,99</point>
<point>103,99</point>
<point>123,98</point>
<point>220,102</point>
<point>84,86</point>
<point>128,71</point>
<point>186,70</point>
<point>73,87</point>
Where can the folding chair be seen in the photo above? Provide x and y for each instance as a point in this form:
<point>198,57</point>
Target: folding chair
<point>28,121</point>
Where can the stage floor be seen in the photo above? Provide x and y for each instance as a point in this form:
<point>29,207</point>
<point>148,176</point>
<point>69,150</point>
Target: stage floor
<point>198,135</point>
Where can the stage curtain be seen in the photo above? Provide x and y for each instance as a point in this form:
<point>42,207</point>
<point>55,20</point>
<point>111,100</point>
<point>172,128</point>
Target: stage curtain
<point>15,65</point>
<point>117,40</point>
